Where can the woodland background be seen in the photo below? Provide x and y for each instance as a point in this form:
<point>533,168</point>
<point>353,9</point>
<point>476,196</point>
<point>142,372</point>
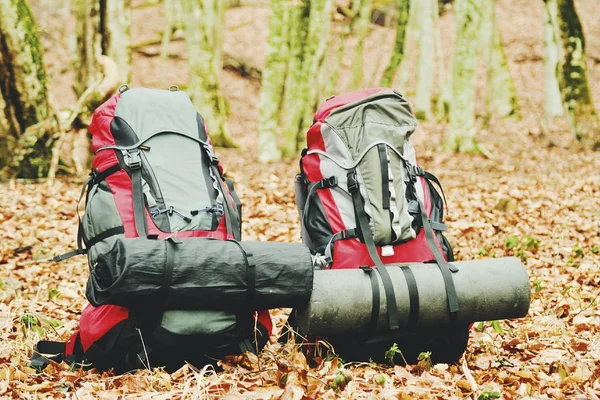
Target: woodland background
<point>529,188</point>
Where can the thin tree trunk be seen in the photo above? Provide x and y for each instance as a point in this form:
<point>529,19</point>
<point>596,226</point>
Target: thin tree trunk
<point>572,75</point>
<point>23,93</point>
<point>321,17</point>
<point>462,111</point>
<point>273,80</point>
<point>347,31</point>
<point>552,98</point>
<point>442,104</point>
<point>425,60</point>
<point>115,18</point>
<point>89,44</point>
<point>362,29</point>
<point>200,17</point>
<point>387,80</point>
<point>293,102</point>
<point>501,92</point>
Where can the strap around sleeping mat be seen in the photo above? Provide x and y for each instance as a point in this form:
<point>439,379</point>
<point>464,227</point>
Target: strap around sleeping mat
<point>367,236</point>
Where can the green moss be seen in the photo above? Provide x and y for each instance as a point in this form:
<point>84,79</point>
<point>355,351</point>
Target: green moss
<point>37,110</point>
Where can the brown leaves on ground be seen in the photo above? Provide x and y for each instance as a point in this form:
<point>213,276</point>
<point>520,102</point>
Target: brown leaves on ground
<point>534,200</point>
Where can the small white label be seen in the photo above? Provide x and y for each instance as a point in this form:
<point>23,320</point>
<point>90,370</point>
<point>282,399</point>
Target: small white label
<point>387,251</point>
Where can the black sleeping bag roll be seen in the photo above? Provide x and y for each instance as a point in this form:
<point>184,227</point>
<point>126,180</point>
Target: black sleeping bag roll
<point>199,273</point>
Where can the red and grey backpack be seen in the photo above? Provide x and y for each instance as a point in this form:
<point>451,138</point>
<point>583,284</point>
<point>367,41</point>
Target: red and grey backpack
<point>155,175</point>
<point>363,199</point>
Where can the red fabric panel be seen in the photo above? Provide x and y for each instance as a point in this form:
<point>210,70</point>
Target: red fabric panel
<point>70,347</point>
<point>341,100</point>
<point>100,125</point>
<point>264,318</point>
<point>311,163</point>
<point>95,322</point>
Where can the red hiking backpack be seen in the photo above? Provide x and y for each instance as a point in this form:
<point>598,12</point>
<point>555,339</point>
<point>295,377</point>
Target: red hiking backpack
<point>363,199</point>
<point>155,175</point>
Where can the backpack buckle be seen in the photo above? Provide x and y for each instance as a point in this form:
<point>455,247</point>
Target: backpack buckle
<point>214,160</point>
<point>133,159</point>
<point>329,182</point>
<point>352,182</point>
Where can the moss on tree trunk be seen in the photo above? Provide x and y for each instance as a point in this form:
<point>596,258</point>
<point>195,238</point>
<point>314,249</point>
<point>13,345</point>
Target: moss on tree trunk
<point>501,92</point>
<point>200,20</point>
<point>23,90</point>
<point>572,74</point>
<point>273,80</point>
<point>462,111</point>
<point>425,61</point>
<point>552,97</point>
<point>387,79</point>
<point>362,29</point>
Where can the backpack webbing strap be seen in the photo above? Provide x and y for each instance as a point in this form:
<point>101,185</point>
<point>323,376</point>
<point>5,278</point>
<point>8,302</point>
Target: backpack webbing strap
<point>46,351</point>
<point>117,230</point>
<point>385,175</point>
<point>324,183</point>
<point>413,296</point>
<point>85,190</point>
<point>376,298</point>
<point>419,171</point>
<point>169,266</point>
<point>250,272</point>
<point>445,268</point>
<point>367,236</point>
<point>345,234</point>
<point>235,197</point>
<point>134,162</point>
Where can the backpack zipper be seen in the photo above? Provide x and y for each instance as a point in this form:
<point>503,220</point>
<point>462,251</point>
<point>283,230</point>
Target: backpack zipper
<point>217,208</point>
<point>170,211</point>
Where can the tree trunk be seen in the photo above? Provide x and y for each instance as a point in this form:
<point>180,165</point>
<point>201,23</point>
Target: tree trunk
<point>425,61</point>
<point>115,19</point>
<point>501,92</point>
<point>572,74</point>
<point>389,74</point>
<point>347,31</point>
<point>273,80</point>
<point>89,44</point>
<point>200,18</point>
<point>293,102</point>
<point>552,99</point>
<point>442,104</point>
<point>362,29</point>
<point>462,110</point>
<point>321,18</point>
<point>23,93</point>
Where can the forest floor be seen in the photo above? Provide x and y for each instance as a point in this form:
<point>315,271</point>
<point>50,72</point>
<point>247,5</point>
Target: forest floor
<point>552,223</point>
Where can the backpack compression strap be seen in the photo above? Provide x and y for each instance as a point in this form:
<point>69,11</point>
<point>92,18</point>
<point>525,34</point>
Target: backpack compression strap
<point>445,268</point>
<point>367,236</point>
<point>134,161</point>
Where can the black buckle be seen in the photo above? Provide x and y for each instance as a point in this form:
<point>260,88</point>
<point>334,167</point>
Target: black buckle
<point>352,182</point>
<point>329,182</point>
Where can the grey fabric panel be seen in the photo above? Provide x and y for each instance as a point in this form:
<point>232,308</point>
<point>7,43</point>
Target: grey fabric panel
<point>208,274</point>
<point>404,223</point>
<point>383,117</point>
<point>337,149</point>
<point>370,171</point>
<point>177,165</point>
<point>101,211</point>
<point>198,322</point>
<point>149,111</point>
<point>365,123</point>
